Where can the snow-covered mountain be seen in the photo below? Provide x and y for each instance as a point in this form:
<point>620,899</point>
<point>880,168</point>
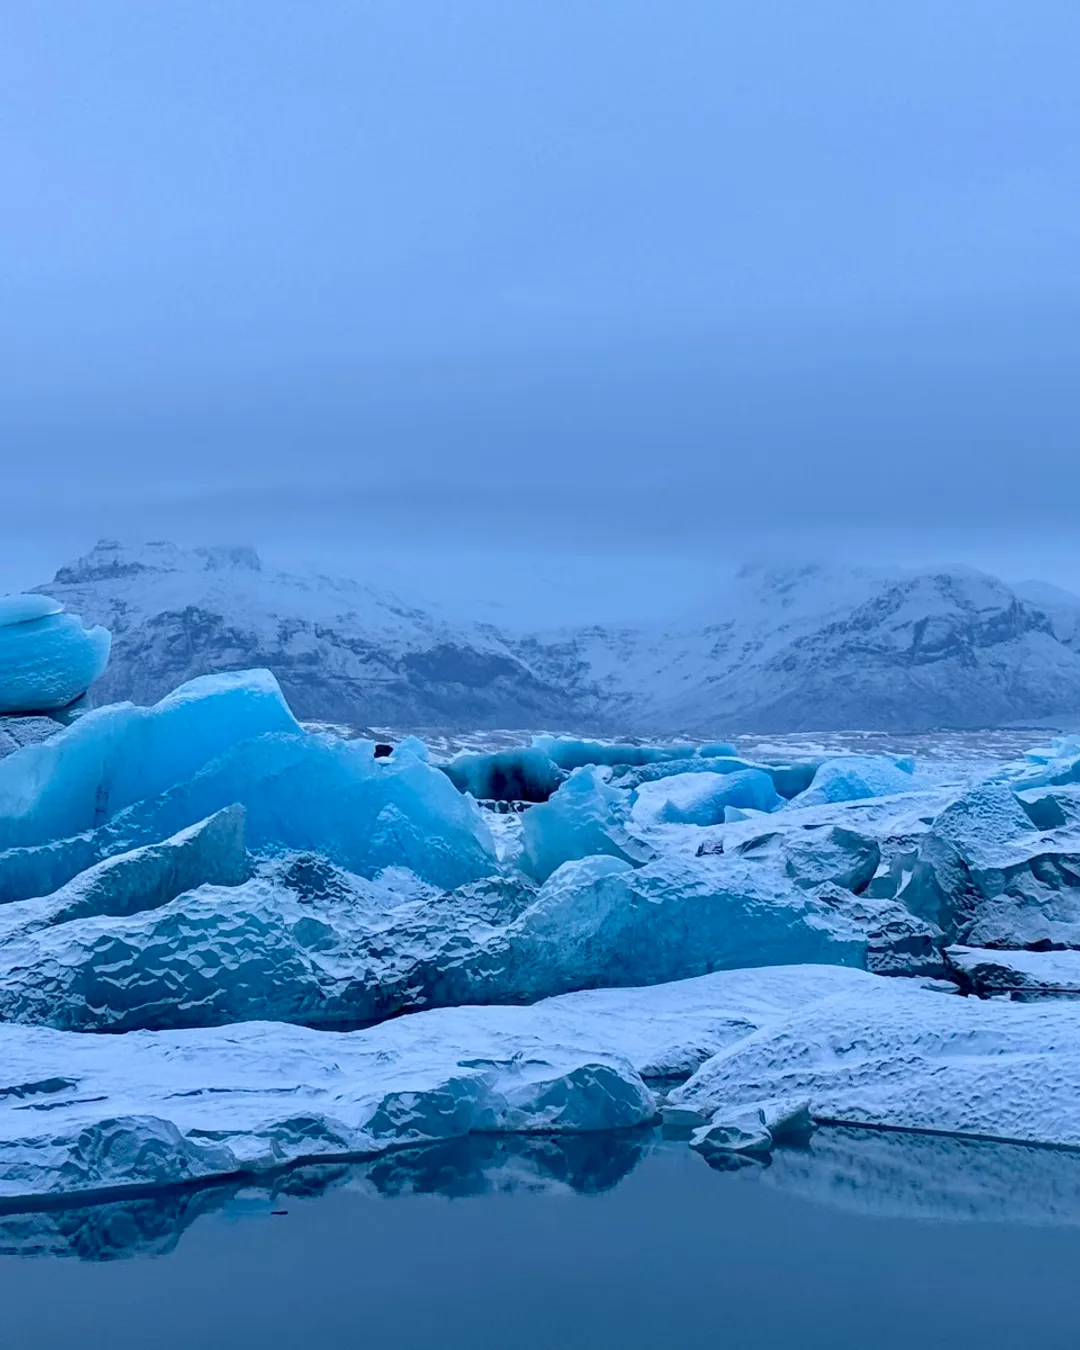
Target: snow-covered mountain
<point>811,648</point>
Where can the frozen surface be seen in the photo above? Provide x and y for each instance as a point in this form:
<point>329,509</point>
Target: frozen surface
<point>890,1053</point>
<point>152,1107</point>
<point>48,658</point>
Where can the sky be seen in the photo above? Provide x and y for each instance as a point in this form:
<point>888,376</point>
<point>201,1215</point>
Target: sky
<point>634,288</point>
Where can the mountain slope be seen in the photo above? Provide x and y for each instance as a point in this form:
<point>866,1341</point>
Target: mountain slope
<point>810,648</point>
<point>340,650</point>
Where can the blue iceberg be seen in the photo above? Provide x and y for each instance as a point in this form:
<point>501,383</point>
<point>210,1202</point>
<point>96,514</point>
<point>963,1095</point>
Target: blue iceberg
<point>585,818</point>
<point>47,658</point>
<point>122,777</point>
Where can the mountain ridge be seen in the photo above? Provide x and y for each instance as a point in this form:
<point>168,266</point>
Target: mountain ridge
<point>809,648</point>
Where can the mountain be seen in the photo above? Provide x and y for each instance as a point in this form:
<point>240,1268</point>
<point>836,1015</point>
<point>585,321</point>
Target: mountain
<point>775,650</point>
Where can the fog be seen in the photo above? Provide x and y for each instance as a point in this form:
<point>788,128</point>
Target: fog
<point>620,292</point>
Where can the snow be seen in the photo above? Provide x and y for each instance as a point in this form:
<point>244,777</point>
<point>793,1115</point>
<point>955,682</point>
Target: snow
<point>154,1106</point>
<point>48,659</point>
<point>888,1053</point>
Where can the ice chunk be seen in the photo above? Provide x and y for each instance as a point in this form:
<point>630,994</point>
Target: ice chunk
<point>815,854</point>
<point>188,1104</point>
<point>27,608</point>
<point>717,750</point>
<point>47,658</point>
<point>304,941</point>
<point>585,817</point>
<point>209,853</point>
<point>853,777</point>
<point>201,750</point>
<point>120,754</point>
<point>753,1128</point>
<point>598,921</point>
<point>572,754</point>
<point>701,798</point>
<point>890,1053</point>
<point>988,879</point>
<point>1022,974</point>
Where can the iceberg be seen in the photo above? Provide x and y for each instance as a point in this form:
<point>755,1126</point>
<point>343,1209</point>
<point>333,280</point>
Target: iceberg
<point>848,778</point>
<point>988,878</point>
<point>47,658</point>
<point>209,853</point>
<point>305,942</point>
<point>586,817</point>
<point>888,1053</point>
<point>122,777</point>
<point>150,1107</point>
<point>703,798</point>
<point>527,775</point>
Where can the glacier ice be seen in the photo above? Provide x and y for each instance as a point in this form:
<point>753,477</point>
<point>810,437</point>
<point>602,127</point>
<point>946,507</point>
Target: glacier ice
<point>526,775</point>
<point>123,776</point>
<point>303,941</point>
<point>889,1053</point>
<point>209,853</point>
<point>847,778</point>
<point>568,753</point>
<point>702,798</point>
<point>120,754</point>
<point>47,658</point>
<point>989,878</point>
<point>586,817</point>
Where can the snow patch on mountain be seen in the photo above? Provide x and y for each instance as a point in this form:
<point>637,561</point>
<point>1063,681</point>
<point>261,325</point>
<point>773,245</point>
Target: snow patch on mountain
<point>812,648</point>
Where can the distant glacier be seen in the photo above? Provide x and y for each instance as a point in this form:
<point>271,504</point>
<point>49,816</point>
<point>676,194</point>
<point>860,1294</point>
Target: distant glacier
<point>813,648</point>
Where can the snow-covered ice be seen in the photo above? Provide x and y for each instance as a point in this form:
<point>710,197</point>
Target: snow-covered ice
<point>247,907</point>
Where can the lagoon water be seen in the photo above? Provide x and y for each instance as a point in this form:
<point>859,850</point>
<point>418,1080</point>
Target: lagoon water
<point>861,1240</point>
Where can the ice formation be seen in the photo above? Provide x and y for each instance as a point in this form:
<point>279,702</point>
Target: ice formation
<point>849,778</point>
<point>247,907</point>
<point>124,776</point>
<point>703,798</point>
<point>47,658</point>
<point>584,818</point>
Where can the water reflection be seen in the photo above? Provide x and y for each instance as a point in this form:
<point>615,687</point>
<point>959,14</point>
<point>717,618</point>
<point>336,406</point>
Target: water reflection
<point>477,1165</point>
<point>912,1176</point>
<point>898,1176</point>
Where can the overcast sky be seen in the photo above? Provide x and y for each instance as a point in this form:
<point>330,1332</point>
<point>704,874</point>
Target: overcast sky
<point>708,279</point>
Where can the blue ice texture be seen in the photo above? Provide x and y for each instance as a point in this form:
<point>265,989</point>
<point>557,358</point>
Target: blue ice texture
<point>123,776</point>
<point>48,659</point>
<point>850,778</point>
<point>586,817</point>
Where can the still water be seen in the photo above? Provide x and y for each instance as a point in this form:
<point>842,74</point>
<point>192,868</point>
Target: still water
<point>863,1239</point>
